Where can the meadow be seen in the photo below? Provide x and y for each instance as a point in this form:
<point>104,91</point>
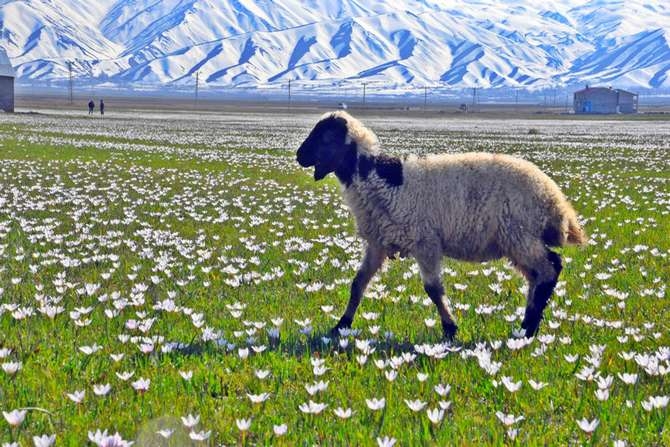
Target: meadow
<point>170,279</point>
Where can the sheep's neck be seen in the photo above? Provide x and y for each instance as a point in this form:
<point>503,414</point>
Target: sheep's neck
<point>369,191</point>
<point>358,164</point>
<point>347,169</point>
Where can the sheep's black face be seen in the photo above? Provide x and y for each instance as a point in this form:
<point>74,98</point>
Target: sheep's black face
<point>325,146</point>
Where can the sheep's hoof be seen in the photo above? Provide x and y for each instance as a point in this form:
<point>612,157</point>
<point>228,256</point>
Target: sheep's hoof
<point>532,327</point>
<point>530,333</point>
<point>449,329</point>
<point>344,323</point>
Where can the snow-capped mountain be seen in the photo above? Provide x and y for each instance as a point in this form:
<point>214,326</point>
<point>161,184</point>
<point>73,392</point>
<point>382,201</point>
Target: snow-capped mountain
<point>460,43</point>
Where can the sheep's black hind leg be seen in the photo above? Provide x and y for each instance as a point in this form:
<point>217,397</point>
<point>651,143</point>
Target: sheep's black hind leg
<point>372,261</point>
<point>432,284</point>
<point>542,279</point>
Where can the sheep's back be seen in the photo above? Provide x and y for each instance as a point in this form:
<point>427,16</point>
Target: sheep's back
<point>473,200</point>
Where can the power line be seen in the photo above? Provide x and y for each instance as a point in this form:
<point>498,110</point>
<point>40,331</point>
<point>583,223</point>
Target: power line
<point>429,89</point>
<point>516,97</point>
<point>364,85</point>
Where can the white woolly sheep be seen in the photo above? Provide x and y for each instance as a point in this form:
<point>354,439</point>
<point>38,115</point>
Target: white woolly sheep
<point>472,207</point>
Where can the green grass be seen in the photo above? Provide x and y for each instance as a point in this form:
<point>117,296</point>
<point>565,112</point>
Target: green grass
<point>119,218</point>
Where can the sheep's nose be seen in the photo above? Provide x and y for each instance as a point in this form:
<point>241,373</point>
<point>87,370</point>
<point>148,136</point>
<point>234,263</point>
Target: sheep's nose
<point>299,157</point>
<point>302,156</point>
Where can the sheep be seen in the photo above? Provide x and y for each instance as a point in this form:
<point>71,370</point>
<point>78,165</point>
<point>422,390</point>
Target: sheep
<point>472,207</point>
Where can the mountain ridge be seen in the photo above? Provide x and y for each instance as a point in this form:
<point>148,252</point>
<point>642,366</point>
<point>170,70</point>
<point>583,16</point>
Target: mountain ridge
<point>455,43</point>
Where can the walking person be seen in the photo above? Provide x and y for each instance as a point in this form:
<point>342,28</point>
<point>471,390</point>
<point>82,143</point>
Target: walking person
<point>91,107</point>
<point>102,107</point>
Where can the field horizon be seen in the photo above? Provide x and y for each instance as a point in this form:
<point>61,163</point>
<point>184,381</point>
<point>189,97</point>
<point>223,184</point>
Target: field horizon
<point>171,275</point>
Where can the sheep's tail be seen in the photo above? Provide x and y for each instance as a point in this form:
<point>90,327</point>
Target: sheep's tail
<point>573,232</point>
<point>576,234</point>
<point>564,229</point>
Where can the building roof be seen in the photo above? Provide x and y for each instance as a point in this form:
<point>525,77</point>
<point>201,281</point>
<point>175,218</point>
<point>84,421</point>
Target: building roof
<point>597,89</point>
<point>6,68</point>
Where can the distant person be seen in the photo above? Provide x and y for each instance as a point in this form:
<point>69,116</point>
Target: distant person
<point>91,107</point>
<point>102,107</point>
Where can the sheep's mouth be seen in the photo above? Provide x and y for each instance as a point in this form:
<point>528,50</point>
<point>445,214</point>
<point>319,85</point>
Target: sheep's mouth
<point>320,171</point>
<point>304,162</point>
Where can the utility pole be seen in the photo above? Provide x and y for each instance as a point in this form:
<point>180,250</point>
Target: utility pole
<point>474,95</point>
<point>289,93</point>
<point>69,68</point>
<point>197,82</point>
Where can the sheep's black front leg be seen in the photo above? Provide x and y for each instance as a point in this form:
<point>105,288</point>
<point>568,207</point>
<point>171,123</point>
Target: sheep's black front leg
<point>372,261</point>
<point>432,283</point>
<point>436,294</point>
<point>543,280</point>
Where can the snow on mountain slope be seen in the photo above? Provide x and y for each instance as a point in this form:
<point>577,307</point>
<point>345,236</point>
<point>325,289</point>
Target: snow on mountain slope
<point>462,43</point>
<point>41,36</point>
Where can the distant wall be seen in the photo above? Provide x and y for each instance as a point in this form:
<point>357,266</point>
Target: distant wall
<point>598,101</point>
<point>6,93</point>
<point>605,100</point>
<point>627,103</point>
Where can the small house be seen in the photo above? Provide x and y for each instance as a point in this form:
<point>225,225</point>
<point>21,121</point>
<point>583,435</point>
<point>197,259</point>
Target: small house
<point>601,100</point>
<point>7,75</point>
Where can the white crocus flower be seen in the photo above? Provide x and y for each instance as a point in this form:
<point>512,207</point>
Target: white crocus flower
<point>588,426</point>
<point>508,419</point>
<point>415,405</point>
<point>386,442</point>
<point>262,373</point>
<point>165,433</point>
<point>258,398</point>
<point>44,440</point>
<point>537,386</point>
<point>190,421</point>
<point>141,384</point>
<point>101,390</point>
<point>628,379</point>
<point>375,404</point>
<point>511,386</point>
<point>77,396</point>
<point>199,435</point>
<point>280,430</point>
<point>312,407</point>
<point>243,424</point>
<point>435,415</point>
<point>602,394</point>
<point>343,413</point>
<point>442,390</point>
<point>15,417</point>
